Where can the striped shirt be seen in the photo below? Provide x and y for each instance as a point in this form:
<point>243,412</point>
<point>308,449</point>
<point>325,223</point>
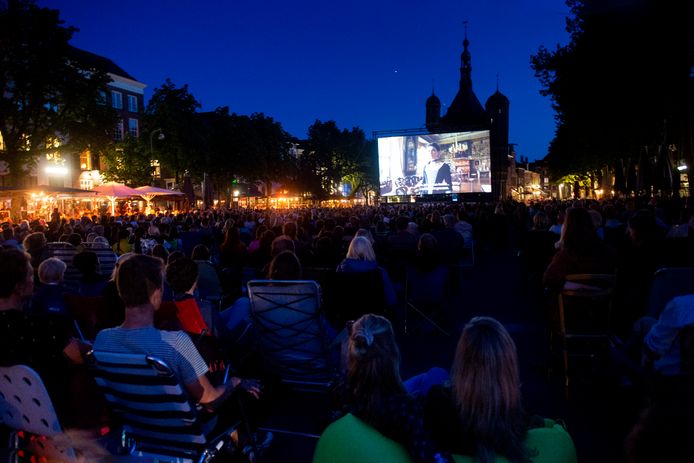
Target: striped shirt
<point>173,347</point>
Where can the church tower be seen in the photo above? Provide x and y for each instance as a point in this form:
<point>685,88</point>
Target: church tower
<point>433,118</point>
<point>498,109</point>
<point>465,112</point>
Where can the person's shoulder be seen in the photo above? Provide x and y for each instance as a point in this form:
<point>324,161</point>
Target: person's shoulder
<point>684,302</point>
<point>105,336</point>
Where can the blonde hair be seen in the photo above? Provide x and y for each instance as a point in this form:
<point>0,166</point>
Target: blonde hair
<point>360,249</point>
<point>52,270</point>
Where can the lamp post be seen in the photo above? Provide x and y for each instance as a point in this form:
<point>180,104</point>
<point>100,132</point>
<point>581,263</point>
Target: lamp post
<point>151,150</point>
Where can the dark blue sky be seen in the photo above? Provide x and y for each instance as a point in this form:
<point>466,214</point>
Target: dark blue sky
<point>361,63</point>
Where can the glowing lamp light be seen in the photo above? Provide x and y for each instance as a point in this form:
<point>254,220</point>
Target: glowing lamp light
<point>56,170</point>
<point>236,193</point>
<point>682,168</point>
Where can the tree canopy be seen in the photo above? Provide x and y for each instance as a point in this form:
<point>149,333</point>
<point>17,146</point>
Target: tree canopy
<point>172,111</point>
<point>47,98</point>
<point>128,162</point>
<point>621,84</point>
<point>331,155</point>
<point>262,147</point>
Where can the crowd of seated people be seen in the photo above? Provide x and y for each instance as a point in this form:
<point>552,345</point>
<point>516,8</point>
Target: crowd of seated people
<point>229,247</point>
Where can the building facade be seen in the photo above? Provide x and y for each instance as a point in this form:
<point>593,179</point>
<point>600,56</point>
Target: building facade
<point>125,95</point>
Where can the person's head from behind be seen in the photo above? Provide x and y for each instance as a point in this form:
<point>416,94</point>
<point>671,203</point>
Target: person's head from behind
<point>366,234</point>
<point>16,274</point>
<point>578,233</point>
<point>282,243</point>
<point>182,274</point>
<point>52,270</point>
<point>200,252</point>
<point>285,266</point>
<point>87,262</point>
<point>596,217</point>
<point>74,239</point>
<point>8,234</point>
<point>642,227</point>
<point>289,229</point>
<point>174,256</point>
<point>373,360</point>
<point>100,242</point>
<point>160,251</point>
<point>140,279</point>
<point>266,239</point>
<point>541,221</point>
<point>486,388</point>
<point>34,241</point>
<point>360,249</point>
<point>449,220</point>
<point>427,245</point>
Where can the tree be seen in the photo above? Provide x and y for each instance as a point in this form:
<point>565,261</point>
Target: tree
<point>261,146</point>
<point>128,162</point>
<point>331,155</point>
<point>365,176</point>
<point>46,97</point>
<point>173,110</point>
<point>623,77</point>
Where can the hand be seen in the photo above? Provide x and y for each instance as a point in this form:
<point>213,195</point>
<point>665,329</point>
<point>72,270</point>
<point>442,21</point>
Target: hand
<point>74,351</point>
<point>252,386</point>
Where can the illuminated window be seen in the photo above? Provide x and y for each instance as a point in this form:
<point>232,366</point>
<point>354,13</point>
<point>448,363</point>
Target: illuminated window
<point>133,128</point>
<point>118,131</point>
<point>156,168</point>
<point>132,103</point>
<point>85,160</point>
<point>116,99</point>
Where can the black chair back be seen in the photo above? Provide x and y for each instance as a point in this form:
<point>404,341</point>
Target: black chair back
<point>289,328</point>
<point>349,295</point>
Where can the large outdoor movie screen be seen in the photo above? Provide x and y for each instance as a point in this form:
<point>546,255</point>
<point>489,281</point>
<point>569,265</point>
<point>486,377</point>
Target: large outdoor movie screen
<point>435,163</point>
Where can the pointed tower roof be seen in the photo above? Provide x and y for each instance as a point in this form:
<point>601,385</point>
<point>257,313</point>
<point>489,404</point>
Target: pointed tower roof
<point>433,99</point>
<point>497,98</point>
<point>466,111</point>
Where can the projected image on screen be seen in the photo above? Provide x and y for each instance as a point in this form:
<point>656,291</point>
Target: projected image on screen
<point>435,164</point>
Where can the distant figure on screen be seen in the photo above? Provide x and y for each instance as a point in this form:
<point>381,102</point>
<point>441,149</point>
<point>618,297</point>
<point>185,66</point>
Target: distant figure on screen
<point>437,174</point>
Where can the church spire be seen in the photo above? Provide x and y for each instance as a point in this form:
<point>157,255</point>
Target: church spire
<point>465,63</point>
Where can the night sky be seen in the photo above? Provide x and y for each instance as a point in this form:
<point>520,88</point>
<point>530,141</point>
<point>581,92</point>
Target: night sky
<point>361,63</point>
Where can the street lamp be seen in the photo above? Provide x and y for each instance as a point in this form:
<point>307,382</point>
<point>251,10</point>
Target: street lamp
<point>154,163</point>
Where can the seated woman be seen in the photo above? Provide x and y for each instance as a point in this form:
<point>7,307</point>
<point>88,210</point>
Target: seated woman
<point>209,286</point>
<point>373,391</point>
<point>580,251</point>
<point>481,413</point>
<point>362,258</point>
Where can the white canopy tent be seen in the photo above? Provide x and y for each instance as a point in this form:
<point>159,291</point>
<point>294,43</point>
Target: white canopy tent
<point>114,191</point>
<point>148,193</point>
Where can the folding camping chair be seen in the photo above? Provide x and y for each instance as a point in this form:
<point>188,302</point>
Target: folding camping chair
<point>159,420</point>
